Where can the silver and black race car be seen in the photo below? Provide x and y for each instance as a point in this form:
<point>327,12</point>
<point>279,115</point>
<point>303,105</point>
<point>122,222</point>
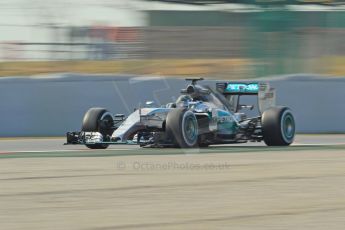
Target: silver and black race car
<point>201,116</point>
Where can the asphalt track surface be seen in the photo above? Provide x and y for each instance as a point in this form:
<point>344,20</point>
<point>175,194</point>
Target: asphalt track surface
<point>12,147</point>
<point>45,185</point>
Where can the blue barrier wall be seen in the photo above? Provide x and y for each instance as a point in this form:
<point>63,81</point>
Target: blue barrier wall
<point>54,104</point>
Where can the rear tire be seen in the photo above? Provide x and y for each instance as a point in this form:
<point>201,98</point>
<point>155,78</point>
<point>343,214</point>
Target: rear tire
<point>182,128</point>
<point>98,120</point>
<point>278,126</point>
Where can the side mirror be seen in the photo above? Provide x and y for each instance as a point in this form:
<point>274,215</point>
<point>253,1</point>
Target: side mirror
<point>149,104</point>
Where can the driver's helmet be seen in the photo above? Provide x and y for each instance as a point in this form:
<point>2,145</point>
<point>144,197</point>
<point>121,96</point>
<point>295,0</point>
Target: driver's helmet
<point>184,99</point>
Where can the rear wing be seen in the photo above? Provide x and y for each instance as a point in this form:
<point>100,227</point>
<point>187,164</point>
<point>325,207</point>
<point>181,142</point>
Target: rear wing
<point>266,94</point>
<point>230,88</point>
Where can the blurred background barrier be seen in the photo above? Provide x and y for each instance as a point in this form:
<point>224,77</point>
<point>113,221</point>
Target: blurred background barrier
<point>51,105</point>
<point>270,37</point>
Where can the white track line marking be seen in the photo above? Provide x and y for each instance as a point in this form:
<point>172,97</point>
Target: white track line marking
<point>61,150</point>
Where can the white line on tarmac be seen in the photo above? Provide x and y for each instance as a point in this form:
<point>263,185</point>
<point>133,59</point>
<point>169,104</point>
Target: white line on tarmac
<point>61,150</point>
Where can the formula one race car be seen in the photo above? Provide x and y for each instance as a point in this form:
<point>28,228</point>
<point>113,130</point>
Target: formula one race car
<point>201,116</point>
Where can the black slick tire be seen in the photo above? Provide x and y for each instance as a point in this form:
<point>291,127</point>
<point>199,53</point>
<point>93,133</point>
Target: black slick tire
<point>278,126</point>
<point>97,120</point>
<point>182,128</point>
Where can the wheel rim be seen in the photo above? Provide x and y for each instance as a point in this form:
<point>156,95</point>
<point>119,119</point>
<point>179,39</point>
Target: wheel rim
<point>106,123</point>
<point>288,127</point>
<point>190,129</point>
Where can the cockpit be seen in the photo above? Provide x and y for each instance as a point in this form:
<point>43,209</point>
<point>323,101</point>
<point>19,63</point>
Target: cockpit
<point>202,94</point>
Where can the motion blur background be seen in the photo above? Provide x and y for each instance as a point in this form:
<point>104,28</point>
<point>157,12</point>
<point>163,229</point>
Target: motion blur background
<point>298,45</point>
<point>225,38</point>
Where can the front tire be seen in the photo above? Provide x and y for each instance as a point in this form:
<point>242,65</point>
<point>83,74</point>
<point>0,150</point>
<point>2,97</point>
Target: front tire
<point>182,128</point>
<point>98,120</point>
<point>278,126</point>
